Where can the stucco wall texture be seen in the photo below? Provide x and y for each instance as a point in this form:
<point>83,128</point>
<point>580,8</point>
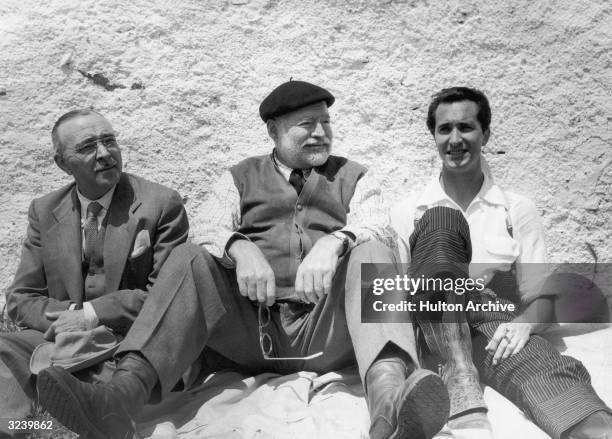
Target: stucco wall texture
<point>181,82</point>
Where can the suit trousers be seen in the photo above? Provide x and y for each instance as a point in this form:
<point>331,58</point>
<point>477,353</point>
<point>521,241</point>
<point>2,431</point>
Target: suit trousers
<point>196,316</point>
<point>16,382</point>
<point>554,390</point>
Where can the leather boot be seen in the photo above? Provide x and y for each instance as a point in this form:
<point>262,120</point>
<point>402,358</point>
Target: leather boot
<point>452,343</point>
<point>404,402</point>
<point>596,426</point>
<point>102,410</point>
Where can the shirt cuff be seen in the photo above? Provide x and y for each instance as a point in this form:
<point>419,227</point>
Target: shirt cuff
<point>349,243</point>
<point>91,318</point>
<point>348,231</point>
<point>362,234</point>
<point>226,260</point>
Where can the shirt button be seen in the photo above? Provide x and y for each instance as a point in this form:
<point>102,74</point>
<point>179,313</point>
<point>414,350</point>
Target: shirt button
<point>298,207</point>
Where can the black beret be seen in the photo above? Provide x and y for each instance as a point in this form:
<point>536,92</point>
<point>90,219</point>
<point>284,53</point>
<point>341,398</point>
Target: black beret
<point>290,96</point>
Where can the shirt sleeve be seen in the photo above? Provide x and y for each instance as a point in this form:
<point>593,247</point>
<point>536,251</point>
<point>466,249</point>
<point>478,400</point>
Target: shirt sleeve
<point>91,318</point>
<point>368,218</point>
<point>216,220</point>
<point>531,268</point>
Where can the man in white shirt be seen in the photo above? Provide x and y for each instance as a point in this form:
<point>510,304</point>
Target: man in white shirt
<point>464,225</point>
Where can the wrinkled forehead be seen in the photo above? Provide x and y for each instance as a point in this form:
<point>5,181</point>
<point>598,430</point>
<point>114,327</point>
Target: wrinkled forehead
<point>318,110</point>
<point>82,127</point>
<point>459,111</point>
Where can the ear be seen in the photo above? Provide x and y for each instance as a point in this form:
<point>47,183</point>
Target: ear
<point>61,163</point>
<point>485,136</point>
<point>272,129</point>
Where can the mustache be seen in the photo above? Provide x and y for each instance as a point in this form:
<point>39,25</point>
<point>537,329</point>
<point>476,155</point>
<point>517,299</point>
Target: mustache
<point>306,145</point>
<point>107,164</point>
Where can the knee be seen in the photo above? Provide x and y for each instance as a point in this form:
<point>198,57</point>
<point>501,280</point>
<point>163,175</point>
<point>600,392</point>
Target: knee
<point>441,217</point>
<point>186,252</point>
<point>372,251</point>
<point>441,232</point>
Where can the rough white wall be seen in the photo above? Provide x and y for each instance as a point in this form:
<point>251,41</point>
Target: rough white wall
<point>181,81</point>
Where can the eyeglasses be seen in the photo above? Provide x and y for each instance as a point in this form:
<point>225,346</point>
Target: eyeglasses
<point>108,141</point>
<point>265,341</point>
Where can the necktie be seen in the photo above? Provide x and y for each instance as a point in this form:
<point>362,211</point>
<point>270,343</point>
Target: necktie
<point>296,179</point>
<point>91,228</point>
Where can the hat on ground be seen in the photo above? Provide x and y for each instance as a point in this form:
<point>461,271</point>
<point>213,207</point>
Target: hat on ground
<point>75,351</point>
<point>578,299</point>
<point>290,96</point>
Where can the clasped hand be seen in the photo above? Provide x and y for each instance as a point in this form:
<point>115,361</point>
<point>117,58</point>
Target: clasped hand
<point>65,321</point>
<point>313,279</point>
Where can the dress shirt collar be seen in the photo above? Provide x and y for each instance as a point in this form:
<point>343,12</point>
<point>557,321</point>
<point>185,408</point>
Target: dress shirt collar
<point>489,191</point>
<point>285,170</point>
<point>104,201</point>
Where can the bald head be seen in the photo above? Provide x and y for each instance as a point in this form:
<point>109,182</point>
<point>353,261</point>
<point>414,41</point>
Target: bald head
<point>55,138</point>
<point>86,149</point>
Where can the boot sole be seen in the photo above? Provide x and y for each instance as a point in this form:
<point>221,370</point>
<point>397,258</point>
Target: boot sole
<point>424,407</point>
<point>59,400</point>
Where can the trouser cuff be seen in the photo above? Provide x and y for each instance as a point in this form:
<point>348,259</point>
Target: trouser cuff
<point>557,415</point>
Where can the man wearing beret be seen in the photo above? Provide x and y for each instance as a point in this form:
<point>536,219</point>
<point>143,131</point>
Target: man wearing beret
<point>93,249</point>
<point>274,286</point>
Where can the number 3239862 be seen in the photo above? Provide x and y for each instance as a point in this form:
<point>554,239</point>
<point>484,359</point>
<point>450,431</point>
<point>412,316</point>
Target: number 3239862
<point>30,425</point>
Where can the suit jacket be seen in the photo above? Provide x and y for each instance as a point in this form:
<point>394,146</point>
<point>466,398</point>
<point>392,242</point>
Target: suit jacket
<point>50,278</point>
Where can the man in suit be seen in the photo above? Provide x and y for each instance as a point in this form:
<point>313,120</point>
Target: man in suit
<point>93,250</point>
<point>296,220</point>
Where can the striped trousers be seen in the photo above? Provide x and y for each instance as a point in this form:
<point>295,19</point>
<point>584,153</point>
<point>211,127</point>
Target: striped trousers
<point>553,390</point>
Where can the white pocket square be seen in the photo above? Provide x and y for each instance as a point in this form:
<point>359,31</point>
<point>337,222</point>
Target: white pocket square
<point>141,243</point>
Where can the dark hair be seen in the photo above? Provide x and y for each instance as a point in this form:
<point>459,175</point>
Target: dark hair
<point>57,145</point>
<point>456,94</point>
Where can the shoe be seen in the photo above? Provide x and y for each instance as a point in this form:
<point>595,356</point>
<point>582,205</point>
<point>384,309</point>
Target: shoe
<point>405,405</point>
<point>596,426</point>
<point>93,411</point>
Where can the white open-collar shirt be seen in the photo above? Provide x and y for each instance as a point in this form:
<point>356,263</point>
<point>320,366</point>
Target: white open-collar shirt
<point>489,216</point>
